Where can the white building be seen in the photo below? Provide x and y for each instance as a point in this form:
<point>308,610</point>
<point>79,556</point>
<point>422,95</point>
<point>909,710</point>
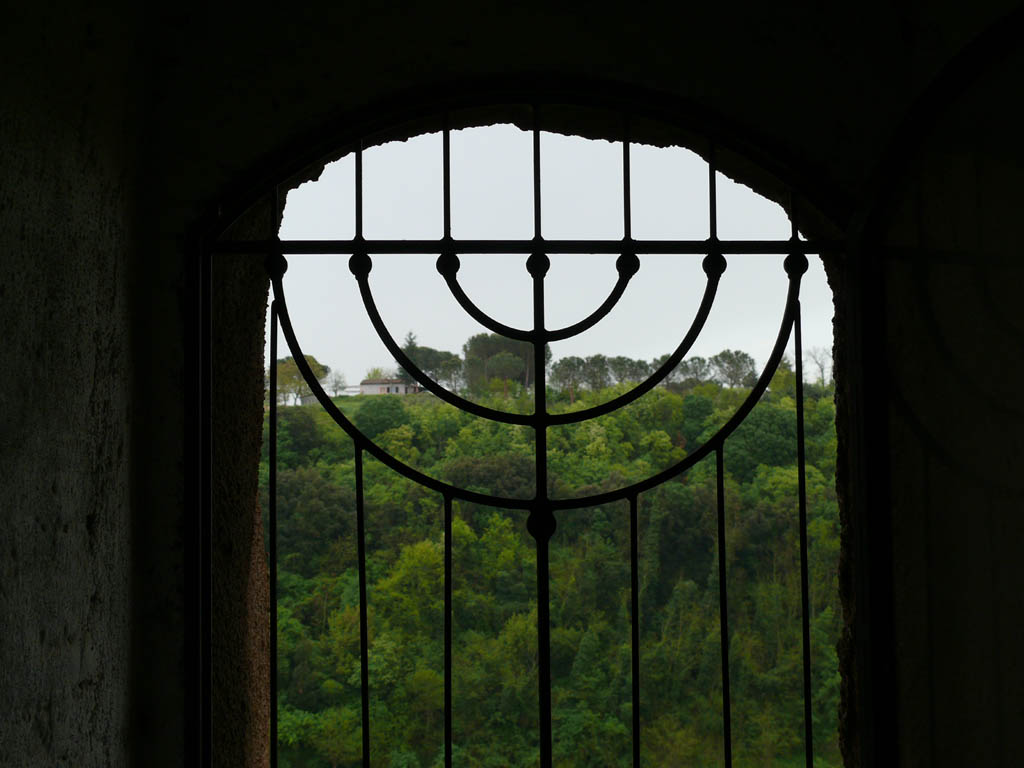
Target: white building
<point>387,387</point>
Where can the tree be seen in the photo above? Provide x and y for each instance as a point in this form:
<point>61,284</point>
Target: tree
<point>479,349</point>
<point>380,414</point>
<point>449,371</point>
<point>734,368</point>
<point>338,735</point>
<point>290,381</point>
<point>567,373</point>
<point>505,366</point>
<point>298,436</point>
<point>625,369</point>
<point>595,372</point>
<point>410,347</point>
<point>438,364</point>
<point>379,373</point>
<point>822,359</point>
<point>495,667</point>
<point>336,383</point>
<point>673,375</point>
<point>694,370</point>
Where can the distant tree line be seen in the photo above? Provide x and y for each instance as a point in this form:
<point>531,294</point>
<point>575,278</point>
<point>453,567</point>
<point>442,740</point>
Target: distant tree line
<point>488,358</point>
<point>493,363</point>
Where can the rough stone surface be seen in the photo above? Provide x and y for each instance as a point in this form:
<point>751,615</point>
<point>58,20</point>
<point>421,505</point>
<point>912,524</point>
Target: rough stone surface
<point>66,206</point>
<point>241,596</point>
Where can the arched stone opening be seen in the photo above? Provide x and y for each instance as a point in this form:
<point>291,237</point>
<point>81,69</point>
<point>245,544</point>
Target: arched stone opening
<point>240,296</point>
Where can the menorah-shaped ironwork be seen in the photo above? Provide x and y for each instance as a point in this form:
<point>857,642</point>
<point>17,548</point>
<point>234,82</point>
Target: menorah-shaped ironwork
<point>541,507</point>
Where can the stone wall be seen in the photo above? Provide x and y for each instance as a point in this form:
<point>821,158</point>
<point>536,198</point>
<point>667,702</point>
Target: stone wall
<point>67,240</point>
<point>955,359</point>
<point>120,133</point>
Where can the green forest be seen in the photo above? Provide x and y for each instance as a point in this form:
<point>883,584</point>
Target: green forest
<point>495,721</point>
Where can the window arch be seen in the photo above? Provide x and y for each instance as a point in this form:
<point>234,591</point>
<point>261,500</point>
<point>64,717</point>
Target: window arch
<point>542,507</point>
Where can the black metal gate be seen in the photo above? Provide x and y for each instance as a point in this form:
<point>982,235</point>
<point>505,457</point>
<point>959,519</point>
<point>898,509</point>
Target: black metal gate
<point>542,509</point>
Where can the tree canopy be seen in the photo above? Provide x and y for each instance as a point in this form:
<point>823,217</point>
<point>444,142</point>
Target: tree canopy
<point>441,366</point>
<point>495,613</point>
<point>481,349</point>
<point>291,384</point>
<point>734,368</point>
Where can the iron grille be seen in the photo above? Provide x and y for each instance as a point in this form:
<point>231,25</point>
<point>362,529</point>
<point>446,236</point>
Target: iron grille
<point>541,522</point>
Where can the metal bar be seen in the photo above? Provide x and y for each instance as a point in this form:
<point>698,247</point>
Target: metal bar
<point>626,265</point>
<point>713,266</point>
<point>484,247</point>
<point>723,432</point>
<point>536,177</point>
<point>805,620</point>
<point>544,650</point>
<point>272,531</point>
<point>627,227</point>
<point>634,586</point>
<point>448,266</point>
<point>364,442</point>
<point>723,607</point>
<point>359,197</point>
<point>541,523</point>
<point>414,370</point>
<point>448,544</point>
<point>552,504</point>
<point>364,651</point>
<point>805,614</point>
<point>447,182</point>
<point>538,266</point>
<point>713,200</point>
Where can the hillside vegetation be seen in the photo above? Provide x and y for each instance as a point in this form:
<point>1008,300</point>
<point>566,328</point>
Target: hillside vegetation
<point>495,642</point>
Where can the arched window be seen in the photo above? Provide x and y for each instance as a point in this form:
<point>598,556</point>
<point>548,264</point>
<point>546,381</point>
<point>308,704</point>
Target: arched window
<point>540,416</point>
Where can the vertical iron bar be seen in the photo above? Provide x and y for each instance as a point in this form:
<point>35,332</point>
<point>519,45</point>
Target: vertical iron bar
<point>723,606</point>
<point>272,532</point>
<point>447,185</point>
<point>543,652</point>
<point>627,226</point>
<point>536,176</point>
<point>364,665</point>
<point>712,197</point>
<point>359,191</point>
<point>804,585</point>
<point>448,544</point>
<point>634,572</point>
<point>541,523</point>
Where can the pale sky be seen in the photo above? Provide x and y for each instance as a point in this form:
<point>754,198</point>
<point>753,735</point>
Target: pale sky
<point>492,197</point>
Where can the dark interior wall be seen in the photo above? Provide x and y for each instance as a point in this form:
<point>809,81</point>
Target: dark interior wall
<point>67,250</point>
<point>98,310</point>
<point>955,355</point>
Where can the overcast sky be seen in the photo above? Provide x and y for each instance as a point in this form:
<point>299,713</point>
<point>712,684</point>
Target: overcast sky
<point>492,198</point>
